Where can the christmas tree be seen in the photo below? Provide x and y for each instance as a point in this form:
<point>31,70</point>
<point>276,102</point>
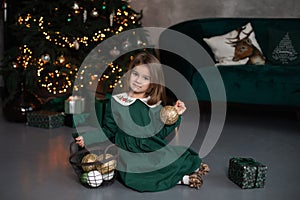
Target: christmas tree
<point>52,38</point>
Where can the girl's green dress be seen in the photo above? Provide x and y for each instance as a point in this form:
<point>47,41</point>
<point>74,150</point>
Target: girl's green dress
<point>147,161</point>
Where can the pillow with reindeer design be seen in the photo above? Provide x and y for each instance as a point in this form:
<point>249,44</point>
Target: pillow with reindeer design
<point>236,47</point>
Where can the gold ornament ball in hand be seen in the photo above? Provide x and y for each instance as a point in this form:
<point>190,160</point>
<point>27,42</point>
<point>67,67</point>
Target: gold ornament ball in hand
<point>168,115</point>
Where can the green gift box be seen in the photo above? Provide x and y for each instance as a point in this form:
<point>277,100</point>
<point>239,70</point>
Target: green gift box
<point>74,105</point>
<point>45,119</point>
<point>247,173</point>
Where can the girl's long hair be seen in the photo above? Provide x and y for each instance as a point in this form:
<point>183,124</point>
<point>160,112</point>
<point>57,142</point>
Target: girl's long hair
<point>156,90</point>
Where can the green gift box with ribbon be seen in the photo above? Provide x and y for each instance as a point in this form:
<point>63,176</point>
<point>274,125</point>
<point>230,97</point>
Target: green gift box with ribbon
<point>247,172</point>
<point>45,119</point>
<point>74,105</point>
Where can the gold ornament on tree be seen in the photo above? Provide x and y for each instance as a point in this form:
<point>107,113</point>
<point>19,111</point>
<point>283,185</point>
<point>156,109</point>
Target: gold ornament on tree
<point>46,58</point>
<point>168,115</point>
<point>111,18</point>
<point>76,44</point>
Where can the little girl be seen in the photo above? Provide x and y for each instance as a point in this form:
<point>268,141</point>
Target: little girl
<point>132,122</point>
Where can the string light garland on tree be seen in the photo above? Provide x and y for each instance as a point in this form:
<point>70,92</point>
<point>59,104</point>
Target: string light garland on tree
<point>55,37</point>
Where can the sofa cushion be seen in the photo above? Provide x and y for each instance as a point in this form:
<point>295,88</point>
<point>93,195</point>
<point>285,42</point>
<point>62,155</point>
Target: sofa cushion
<point>283,47</point>
<point>223,46</point>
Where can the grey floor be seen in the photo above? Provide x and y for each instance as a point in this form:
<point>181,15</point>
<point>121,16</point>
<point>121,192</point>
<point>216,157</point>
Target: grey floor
<point>34,161</point>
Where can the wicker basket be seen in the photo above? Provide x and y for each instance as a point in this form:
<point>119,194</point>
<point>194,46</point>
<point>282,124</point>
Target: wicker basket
<point>95,166</point>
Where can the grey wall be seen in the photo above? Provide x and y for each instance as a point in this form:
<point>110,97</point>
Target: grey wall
<point>164,13</point>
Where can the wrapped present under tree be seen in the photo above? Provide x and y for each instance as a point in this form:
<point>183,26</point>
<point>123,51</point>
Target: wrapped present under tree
<point>45,119</point>
<point>74,105</point>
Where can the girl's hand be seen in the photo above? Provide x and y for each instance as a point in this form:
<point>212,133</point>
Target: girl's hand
<point>80,141</point>
<point>180,107</point>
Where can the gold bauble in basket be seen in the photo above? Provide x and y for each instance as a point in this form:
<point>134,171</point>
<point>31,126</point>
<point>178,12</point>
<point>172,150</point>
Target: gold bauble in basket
<point>89,158</point>
<point>168,115</point>
<point>106,167</point>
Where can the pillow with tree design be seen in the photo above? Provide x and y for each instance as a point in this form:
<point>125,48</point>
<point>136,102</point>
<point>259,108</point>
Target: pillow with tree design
<point>284,47</point>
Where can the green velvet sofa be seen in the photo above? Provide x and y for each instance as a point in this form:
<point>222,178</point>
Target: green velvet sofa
<point>275,82</point>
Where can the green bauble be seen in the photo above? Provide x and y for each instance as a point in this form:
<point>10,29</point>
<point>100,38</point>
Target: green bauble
<point>83,177</point>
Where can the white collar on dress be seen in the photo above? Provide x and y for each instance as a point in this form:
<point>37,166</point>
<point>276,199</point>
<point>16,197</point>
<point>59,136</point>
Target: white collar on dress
<point>126,100</point>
